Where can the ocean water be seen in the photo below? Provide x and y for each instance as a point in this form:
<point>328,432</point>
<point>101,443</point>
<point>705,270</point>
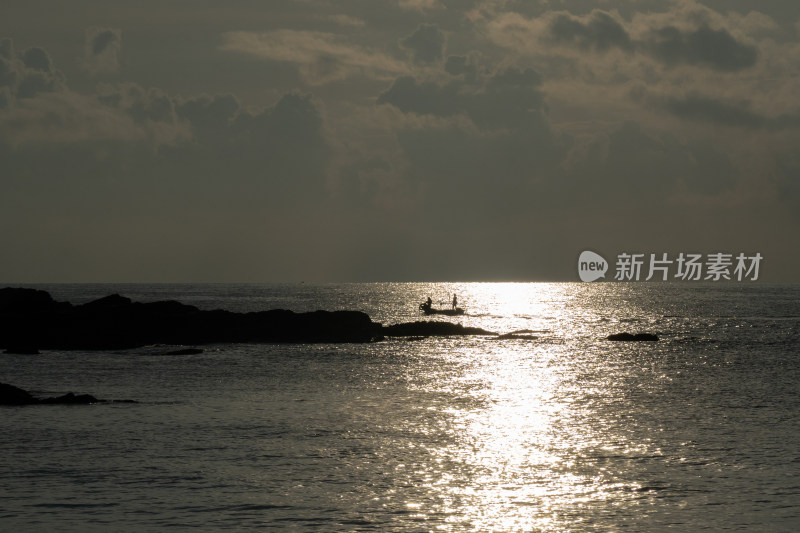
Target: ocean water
<point>556,429</point>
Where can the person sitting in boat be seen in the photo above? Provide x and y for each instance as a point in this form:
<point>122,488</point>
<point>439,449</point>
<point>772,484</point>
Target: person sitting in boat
<point>427,304</point>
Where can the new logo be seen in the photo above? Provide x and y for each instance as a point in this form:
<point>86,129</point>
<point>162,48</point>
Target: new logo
<point>591,266</point>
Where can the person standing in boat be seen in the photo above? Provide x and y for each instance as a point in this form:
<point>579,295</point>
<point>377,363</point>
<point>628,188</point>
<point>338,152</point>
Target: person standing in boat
<point>429,303</point>
<point>455,301</point>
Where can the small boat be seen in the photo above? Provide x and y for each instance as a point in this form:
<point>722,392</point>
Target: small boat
<point>429,310</point>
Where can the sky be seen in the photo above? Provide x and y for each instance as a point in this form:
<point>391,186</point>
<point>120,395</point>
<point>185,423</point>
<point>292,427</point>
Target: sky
<point>400,140</point>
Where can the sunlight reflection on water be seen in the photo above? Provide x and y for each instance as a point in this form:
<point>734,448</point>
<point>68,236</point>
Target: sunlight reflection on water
<point>554,430</point>
<point>533,447</point>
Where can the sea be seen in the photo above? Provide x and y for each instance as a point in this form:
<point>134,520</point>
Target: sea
<point>552,429</point>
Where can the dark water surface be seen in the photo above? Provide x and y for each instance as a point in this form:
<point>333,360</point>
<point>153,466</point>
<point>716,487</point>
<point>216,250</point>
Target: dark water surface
<point>556,430</point>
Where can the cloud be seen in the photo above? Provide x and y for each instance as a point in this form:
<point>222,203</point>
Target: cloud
<point>37,59</point>
<point>507,99</point>
<point>136,183</point>
<point>426,97</point>
<point>209,116</point>
<point>34,82</point>
<point>671,42</point>
<point>321,57</point>
<point>461,65</point>
<point>426,44</point>
<point>26,75</point>
<point>490,146</point>
<point>64,117</point>
<point>716,49</point>
<point>101,50</point>
<point>282,147</point>
<point>501,142</point>
<point>599,32</point>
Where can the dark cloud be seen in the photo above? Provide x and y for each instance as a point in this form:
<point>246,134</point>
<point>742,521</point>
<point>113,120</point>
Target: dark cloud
<point>29,74</point>
<point>704,46</point>
<point>141,104</point>
<point>101,50</point>
<point>103,40</point>
<point>716,49</point>
<point>277,153</point>
<point>276,156</point>
<point>426,44</point>
<point>36,58</point>
<point>427,97</point>
<point>157,106</point>
<point>600,32</point>
<point>491,171</point>
<point>461,65</point>
<point>210,116</point>
<point>506,100</point>
<point>510,100</point>
<point>34,82</point>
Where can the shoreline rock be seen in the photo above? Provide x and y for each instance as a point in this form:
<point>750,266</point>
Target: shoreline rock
<point>11,395</point>
<point>30,318</point>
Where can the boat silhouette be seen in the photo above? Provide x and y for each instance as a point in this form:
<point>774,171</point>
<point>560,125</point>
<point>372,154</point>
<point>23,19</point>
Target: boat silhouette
<point>430,310</point>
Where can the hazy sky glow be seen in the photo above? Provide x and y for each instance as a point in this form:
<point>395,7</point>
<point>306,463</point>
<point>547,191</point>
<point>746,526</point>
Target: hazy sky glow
<point>328,140</point>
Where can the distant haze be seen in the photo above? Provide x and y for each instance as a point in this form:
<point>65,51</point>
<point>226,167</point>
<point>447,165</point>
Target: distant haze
<point>399,140</point>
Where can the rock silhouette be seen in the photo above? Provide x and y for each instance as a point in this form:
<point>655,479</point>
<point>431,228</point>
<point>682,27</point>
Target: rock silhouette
<point>184,351</point>
<point>631,337</point>
<point>429,328</point>
<point>11,395</point>
<point>31,319</point>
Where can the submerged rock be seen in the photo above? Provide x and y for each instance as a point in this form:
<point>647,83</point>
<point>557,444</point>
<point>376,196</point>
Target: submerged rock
<point>632,337</point>
<point>427,328</point>
<point>516,336</point>
<point>185,351</point>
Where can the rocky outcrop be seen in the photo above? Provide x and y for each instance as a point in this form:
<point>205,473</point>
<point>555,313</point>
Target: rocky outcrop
<point>31,318</point>
<point>631,337</point>
<point>11,395</point>
<point>423,328</point>
<point>185,351</point>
